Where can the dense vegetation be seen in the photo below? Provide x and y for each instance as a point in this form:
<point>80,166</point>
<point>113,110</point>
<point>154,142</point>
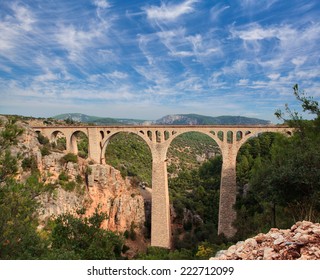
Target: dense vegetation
<point>283,174</point>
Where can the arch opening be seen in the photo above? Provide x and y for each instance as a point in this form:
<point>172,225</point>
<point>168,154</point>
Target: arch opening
<point>194,171</point>
<point>101,134</point>
<point>80,144</point>
<point>230,137</point>
<point>58,140</point>
<point>220,135</point>
<point>130,154</point>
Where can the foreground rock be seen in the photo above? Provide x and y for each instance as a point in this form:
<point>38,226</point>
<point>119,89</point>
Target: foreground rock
<point>301,242</point>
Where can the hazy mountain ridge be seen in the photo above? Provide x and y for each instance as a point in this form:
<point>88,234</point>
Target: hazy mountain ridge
<point>175,119</point>
<point>78,117</point>
<point>194,119</point>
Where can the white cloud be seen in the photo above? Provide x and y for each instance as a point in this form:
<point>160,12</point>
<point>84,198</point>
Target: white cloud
<point>243,82</point>
<point>117,75</point>
<point>255,32</point>
<point>217,10</point>
<point>74,39</point>
<point>298,61</point>
<point>24,17</point>
<point>274,76</point>
<point>169,12</point>
<point>102,4</point>
<point>14,27</point>
<point>49,76</point>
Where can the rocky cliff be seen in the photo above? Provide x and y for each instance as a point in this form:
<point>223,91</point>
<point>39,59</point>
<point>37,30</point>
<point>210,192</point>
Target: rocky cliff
<point>300,242</point>
<point>77,185</point>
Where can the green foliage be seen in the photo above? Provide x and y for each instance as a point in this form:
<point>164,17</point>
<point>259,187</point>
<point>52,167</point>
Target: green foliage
<point>61,144</point>
<point>83,144</point>
<point>42,139</point>
<point>18,222</point>
<point>45,151</point>
<point>83,238</point>
<point>29,163</point>
<point>8,165</point>
<point>63,176</point>
<point>69,120</point>
<point>283,175</point>
<point>10,133</point>
<point>70,157</point>
<point>198,192</point>
<point>157,253</point>
<point>185,148</point>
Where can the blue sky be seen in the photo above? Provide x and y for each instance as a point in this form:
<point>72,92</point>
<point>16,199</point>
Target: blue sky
<point>147,59</point>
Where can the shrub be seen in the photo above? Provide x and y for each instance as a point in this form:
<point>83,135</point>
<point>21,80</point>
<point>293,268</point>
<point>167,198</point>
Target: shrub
<point>45,151</point>
<point>82,154</point>
<point>70,186</point>
<point>63,176</point>
<point>29,163</point>
<point>70,157</point>
<point>42,139</point>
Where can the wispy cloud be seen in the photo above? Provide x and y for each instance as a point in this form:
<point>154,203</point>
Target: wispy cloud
<point>169,12</point>
<point>217,10</point>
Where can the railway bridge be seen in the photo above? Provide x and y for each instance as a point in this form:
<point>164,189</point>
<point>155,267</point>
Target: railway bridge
<point>158,138</point>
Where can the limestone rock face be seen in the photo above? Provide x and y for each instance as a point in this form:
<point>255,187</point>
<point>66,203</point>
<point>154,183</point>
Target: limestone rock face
<point>59,202</point>
<point>301,242</point>
<point>115,196</point>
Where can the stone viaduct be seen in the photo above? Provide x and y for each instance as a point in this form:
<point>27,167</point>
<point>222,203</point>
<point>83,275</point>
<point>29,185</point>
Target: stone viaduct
<point>158,138</point>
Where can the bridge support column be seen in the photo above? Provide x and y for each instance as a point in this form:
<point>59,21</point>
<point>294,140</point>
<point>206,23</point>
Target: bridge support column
<point>228,191</point>
<point>160,216</point>
<point>94,144</point>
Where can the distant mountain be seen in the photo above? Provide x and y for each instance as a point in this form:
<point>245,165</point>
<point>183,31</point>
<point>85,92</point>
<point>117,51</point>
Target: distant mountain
<point>179,119</point>
<point>77,117</point>
<point>193,119</point>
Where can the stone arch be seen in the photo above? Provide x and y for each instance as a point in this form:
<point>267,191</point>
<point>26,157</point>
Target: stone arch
<point>254,133</point>
<point>73,140</point>
<point>79,137</point>
<point>176,135</point>
<point>239,135</point>
<point>110,135</point>
<point>230,137</point>
<point>208,138</point>
<point>101,135</point>
<point>58,139</point>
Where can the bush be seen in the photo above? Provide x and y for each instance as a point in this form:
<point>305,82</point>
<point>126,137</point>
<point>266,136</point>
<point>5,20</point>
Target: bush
<point>45,151</point>
<point>63,176</point>
<point>42,139</point>
<point>70,186</point>
<point>29,163</point>
<point>82,154</point>
<point>70,157</point>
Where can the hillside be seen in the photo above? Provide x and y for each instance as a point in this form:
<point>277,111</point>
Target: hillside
<point>193,119</point>
<point>82,118</point>
<point>176,119</point>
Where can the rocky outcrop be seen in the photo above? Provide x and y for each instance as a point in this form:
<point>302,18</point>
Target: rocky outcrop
<point>301,242</point>
<point>115,196</point>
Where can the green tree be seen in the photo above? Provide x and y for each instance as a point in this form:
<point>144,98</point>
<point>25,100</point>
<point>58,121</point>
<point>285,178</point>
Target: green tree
<point>18,222</point>
<point>83,238</point>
